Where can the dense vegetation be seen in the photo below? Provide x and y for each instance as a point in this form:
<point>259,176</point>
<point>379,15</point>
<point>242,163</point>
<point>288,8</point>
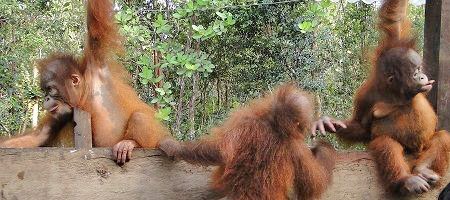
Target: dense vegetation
<point>198,60</point>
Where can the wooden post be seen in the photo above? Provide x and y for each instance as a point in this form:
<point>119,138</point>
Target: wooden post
<point>443,95</point>
<point>437,56</point>
<point>82,130</point>
<point>431,43</point>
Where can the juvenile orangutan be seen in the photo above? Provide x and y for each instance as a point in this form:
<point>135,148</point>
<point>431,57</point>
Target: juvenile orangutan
<point>260,150</point>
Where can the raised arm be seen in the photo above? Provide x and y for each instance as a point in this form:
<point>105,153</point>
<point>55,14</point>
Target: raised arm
<point>103,39</point>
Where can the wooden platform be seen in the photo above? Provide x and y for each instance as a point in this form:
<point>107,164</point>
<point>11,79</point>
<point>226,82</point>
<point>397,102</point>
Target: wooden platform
<point>55,173</point>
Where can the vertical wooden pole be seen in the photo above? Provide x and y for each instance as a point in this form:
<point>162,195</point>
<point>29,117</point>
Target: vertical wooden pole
<point>437,56</point>
<point>431,44</point>
<point>82,130</point>
<point>443,94</point>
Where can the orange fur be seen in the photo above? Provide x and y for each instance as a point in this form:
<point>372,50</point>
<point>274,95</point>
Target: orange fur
<point>128,117</point>
<point>98,84</point>
<point>391,117</point>
<point>49,132</point>
<point>260,150</point>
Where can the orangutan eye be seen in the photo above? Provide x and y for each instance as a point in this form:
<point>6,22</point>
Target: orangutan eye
<point>416,72</point>
<point>52,92</point>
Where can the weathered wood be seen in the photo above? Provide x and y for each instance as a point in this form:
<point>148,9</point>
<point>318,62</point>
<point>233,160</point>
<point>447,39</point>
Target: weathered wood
<point>82,130</point>
<point>55,173</point>
<point>437,56</point>
<point>443,100</point>
<point>431,41</point>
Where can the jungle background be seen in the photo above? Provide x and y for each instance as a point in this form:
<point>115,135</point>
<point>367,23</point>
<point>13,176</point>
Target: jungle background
<point>196,61</point>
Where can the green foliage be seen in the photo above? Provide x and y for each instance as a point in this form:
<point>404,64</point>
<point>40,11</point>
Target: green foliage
<point>316,14</point>
<point>172,52</point>
<point>195,61</point>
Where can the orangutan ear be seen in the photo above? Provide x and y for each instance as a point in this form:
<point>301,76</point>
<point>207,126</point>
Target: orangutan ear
<point>76,80</point>
<point>390,79</point>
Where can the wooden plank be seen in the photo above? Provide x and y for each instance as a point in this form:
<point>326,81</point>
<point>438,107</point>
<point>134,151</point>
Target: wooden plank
<point>443,92</point>
<point>56,173</point>
<point>432,32</point>
<point>82,130</point>
<point>437,57</point>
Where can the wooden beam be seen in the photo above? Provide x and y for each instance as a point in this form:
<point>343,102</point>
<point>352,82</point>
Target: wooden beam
<point>57,173</point>
<point>443,92</point>
<point>82,130</point>
<point>432,32</point>
<point>437,56</point>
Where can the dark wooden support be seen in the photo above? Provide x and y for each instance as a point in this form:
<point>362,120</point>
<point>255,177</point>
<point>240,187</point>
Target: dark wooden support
<point>437,56</point>
<point>82,130</point>
<point>443,94</point>
<point>431,43</point>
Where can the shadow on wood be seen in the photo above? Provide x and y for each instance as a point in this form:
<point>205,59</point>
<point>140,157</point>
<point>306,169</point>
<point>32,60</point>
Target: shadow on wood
<point>56,173</point>
<point>82,130</point>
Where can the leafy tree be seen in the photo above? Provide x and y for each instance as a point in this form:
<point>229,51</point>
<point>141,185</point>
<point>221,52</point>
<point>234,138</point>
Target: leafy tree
<point>195,61</point>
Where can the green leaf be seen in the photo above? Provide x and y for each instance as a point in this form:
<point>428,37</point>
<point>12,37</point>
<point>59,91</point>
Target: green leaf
<point>202,2</point>
<point>164,29</point>
<point>315,8</point>
<point>315,23</point>
<point>325,3</point>
<point>191,66</point>
<point>167,85</point>
<point>172,59</point>
<point>230,21</point>
<point>164,113</point>
<point>159,22</point>
<point>209,32</point>
<point>198,28</point>
<point>189,74</point>
<point>127,17</point>
<point>146,75</point>
<point>164,65</point>
<point>181,58</point>
<point>160,91</point>
<point>163,47</point>
<point>160,19</point>
<point>181,71</point>
<point>182,13</point>
<point>155,100</point>
<point>223,16</point>
<point>197,36</point>
<point>169,99</point>
<point>144,60</point>
<point>177,15</point>
<point>209,67</point>
<point>158,79</point>
<point>305,26</point>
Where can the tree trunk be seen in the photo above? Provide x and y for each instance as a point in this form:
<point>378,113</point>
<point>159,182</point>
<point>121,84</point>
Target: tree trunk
<point>191,134</point>
<point>35,112</point>
<point>179,111</point>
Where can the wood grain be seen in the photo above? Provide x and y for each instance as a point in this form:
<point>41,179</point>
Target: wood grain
<point>56,173</point>
<point>443,93</point>
<point>82,130</point>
